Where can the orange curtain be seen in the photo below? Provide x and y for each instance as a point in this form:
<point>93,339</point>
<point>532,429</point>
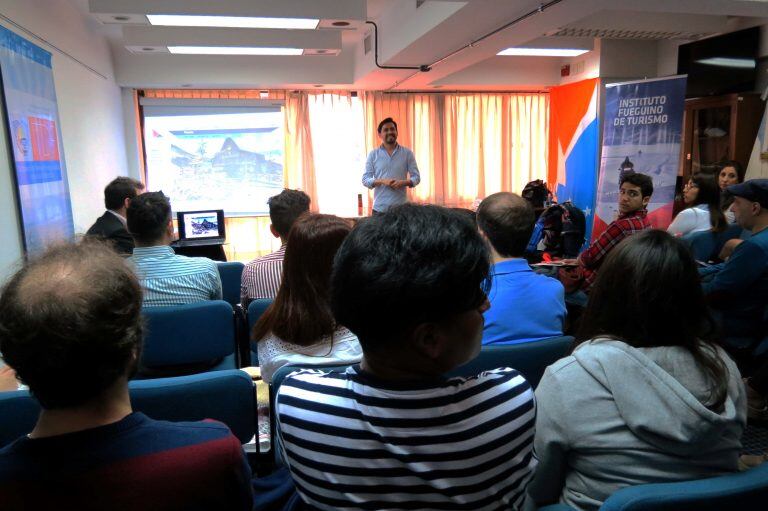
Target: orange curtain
<point>299,166</point>
<point>467,146</point>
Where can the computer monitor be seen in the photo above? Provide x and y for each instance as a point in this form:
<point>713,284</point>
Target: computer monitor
<point>201,225</point>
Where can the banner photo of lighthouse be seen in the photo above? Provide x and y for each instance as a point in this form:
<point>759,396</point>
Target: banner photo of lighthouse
<point>642,132</point>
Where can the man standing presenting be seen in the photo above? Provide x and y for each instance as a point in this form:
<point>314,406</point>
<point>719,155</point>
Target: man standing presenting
<point>389,169</point>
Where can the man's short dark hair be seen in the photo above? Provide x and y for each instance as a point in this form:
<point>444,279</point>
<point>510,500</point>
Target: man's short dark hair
<point>507,221</point>
<point>415,264</point>
<point>643,181</point>
<point>70,323</point>
<point>285,208</point>
<point>386,121</point>
<point>119,189</point>
<point>148,216</point>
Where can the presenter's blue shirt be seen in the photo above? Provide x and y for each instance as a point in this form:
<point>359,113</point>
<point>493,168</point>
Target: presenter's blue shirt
<point>525,306</point>
<point>380,165</point>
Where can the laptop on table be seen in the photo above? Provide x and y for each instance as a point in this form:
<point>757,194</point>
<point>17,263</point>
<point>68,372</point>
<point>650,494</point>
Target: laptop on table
<point>199,228</point>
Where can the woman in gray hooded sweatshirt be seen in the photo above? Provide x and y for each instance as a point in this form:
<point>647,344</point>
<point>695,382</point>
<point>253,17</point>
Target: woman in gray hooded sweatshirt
<point>645,398</point>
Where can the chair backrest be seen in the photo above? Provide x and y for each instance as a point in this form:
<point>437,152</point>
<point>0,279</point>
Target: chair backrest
<point>231,274</point>
<point>18,415</point>
<point>529,358</point>
<point>744,491</point>
<point>226,396</point>
<point>702,244</point>
<point>255,309</point>
<point>188,334</point>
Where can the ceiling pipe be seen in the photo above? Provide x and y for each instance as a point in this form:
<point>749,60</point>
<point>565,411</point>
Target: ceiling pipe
<point>421,69</point>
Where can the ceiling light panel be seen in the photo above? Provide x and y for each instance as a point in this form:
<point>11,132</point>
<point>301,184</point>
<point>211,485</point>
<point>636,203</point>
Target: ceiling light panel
<point>180,20</point>
<point>346,10</point>
<point>232,50</point>
<point>542,52</point>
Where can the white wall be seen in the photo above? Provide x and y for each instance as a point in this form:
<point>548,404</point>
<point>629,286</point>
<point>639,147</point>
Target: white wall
<point>89,105</point>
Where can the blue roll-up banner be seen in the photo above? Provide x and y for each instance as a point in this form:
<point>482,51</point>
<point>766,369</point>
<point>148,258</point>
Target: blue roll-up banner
<point>32,123</point>
<point>642,132</point>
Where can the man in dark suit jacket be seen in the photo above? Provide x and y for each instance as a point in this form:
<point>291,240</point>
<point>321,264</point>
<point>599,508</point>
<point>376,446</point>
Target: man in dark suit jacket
<point>111,226</point>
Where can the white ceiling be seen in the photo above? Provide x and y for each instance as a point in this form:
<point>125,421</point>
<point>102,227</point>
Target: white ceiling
<point>408,36</point>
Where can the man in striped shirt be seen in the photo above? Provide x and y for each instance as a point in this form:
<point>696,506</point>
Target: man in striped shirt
<point>167,278</point>
<point>261,277</point>
<point>393,432</point>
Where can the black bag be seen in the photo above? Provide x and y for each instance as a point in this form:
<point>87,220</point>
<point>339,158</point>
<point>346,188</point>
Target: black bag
<point>564,230</point>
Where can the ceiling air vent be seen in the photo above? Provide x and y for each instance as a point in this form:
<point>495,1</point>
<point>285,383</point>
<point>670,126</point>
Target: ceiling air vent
<point>603,33</point>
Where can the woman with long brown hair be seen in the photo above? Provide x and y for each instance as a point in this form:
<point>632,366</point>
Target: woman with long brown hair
<point>645,397</point>
<point>299,327</point>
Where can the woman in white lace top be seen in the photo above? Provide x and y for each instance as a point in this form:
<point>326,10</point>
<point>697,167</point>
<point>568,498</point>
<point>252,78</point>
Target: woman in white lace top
<point>299,328</point>
<point>703,213</point>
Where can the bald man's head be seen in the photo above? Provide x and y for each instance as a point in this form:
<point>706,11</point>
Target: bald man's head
<point>507,221</point>
<point>70,323</point>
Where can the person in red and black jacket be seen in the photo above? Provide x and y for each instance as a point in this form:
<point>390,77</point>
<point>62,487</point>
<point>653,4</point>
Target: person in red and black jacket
<point>634,195</point>
<point>71,328</point>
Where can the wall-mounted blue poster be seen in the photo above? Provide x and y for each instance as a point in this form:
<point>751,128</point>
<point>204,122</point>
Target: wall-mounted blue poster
<point>33,132</point>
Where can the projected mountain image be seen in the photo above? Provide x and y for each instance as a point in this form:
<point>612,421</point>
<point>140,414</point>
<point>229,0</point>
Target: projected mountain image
<point>235,169</point>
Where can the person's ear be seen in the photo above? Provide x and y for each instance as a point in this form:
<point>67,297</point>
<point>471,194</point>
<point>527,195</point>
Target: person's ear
<point>646,200</point>
<point>429,340</point>
<point>126,202</point>
<point>169,228</point>
<point>274,231</point>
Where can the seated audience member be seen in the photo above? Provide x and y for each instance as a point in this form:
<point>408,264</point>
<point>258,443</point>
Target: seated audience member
<point>111,226</point>
<point>167,278</point>
<point>739,286</point>
<point>393,432</point>
<point>261,277</point>
<point>525,306</point>
<point>634,195</point>
<point>71,327</point>
<point>645,398</point>
<point>702,198</point>
<point>731,173</point>
<point>299,328</point>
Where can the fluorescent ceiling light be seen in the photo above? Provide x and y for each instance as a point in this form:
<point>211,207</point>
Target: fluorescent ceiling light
<point>726,62</point>
<point>184,20</point>
<point>232,50</point>
<point>542,52</point>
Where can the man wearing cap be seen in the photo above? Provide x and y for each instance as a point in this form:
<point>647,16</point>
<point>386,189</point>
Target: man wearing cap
<point>739,287</point>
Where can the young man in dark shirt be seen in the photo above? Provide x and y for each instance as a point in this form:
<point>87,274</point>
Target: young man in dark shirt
<point>71,327</point>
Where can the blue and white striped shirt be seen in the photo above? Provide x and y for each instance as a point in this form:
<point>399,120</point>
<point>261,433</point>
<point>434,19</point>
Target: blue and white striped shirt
<point>380,165</point>
<point>170,279</point>
<point>354,442</point>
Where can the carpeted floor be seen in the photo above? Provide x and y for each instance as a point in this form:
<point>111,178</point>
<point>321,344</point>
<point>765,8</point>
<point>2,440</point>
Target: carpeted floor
<point>755,439</point>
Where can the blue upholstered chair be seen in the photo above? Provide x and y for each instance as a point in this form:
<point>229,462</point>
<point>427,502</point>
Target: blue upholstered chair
<point>188,339</point>
<point>706,245</point>
<point>231,274</point>
<point>18,415</point>
<point>529,358</point>
<point>745,491</point>
<point>255,309</point>
<point>701,244</point>
<point>226,396</point>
